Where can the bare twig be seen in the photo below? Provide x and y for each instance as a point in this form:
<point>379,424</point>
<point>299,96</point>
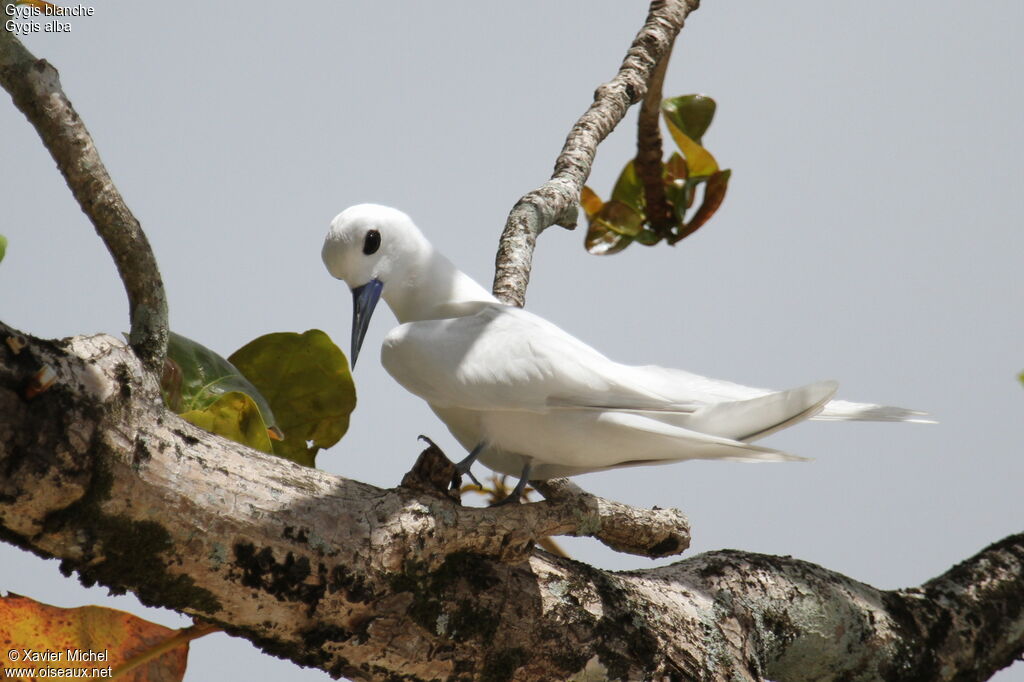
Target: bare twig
<point>555,201</point>
<point>648,152</point>
<point>509,533</point>
<point>34,85</point>
<point>648,532</point>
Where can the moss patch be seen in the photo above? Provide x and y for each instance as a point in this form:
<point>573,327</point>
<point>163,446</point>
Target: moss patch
<point>131,552</point>
<point>432,590</point>
<point>285,579</point>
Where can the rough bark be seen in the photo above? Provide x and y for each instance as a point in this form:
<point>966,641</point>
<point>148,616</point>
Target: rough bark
<point>34,85</point>
<point>376,584</point>
<point>648,161</point>
<point>555,201</point>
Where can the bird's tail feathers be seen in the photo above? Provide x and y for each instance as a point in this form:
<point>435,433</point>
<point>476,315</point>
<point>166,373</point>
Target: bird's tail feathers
<point>844,410</point>
<point>748,420</point>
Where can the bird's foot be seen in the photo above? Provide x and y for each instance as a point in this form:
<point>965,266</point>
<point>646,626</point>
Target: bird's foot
<point>463,468</point>
<point>515,497</point>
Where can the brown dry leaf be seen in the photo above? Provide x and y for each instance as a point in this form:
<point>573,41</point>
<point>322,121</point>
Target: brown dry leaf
<point>35,636</point>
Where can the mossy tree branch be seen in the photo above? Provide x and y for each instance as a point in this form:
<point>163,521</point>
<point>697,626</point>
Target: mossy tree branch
<point>373,584</point>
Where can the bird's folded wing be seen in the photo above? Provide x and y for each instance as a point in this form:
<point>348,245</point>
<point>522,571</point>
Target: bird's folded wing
<point>503,358</point>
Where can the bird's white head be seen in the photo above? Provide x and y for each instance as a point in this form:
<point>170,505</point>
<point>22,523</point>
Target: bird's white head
<point>371,247</point>
<point>371,242</point>
<point>380,253</point>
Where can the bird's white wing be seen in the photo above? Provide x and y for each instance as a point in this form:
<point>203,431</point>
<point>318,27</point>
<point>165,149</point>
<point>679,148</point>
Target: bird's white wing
<point>503,358</point>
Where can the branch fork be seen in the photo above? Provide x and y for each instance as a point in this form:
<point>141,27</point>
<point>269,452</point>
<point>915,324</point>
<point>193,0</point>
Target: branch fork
<point>509,532</point>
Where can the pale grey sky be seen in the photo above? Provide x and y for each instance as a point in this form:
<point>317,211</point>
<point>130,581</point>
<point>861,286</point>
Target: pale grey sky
<point>870,235</point>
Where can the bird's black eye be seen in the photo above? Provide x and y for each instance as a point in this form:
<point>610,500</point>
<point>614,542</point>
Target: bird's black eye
<point>372,242</point>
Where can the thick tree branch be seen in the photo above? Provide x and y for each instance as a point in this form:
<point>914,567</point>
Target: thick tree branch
<point>34,85</point>
<point>555,201</point>
<point>374,584</point>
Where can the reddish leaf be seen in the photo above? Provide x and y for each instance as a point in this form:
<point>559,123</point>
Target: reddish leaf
<point>714,194</point>
<point>675,168</point>
<point>39,636</point>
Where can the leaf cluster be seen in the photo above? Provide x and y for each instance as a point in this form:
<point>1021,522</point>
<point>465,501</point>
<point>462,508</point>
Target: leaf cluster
<point>285,393</point>
<point>623,219</point>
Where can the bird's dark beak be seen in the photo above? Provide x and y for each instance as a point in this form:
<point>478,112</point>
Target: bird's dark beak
<point>364,300</point>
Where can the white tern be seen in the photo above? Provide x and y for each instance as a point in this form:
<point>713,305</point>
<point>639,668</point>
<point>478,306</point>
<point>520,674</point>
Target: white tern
<point>529,399</point>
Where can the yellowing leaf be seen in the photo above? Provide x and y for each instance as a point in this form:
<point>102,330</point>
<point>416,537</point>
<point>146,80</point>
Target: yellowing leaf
<point>234,415</point>
<point>305,378</point>
<point>37,636</point>
<point>699,160</point>
<point>194,377</point>
<point>590,202</point>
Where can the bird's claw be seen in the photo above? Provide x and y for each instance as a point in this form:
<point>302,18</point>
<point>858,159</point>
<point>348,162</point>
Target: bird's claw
<point>457,478</point>
<point>463,467</point>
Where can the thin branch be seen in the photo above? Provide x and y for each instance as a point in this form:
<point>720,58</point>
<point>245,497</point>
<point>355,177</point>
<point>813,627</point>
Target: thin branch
<point>555,201</point>
<point>648,162</point>
<point>509,533</point>
<point>35,87</point>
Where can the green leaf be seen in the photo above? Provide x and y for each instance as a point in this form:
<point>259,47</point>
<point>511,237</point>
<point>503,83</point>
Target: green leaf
<point>195,377</point>
<point>3,246</point>
<point>647,237</point>
<point>714,194</point>
<point>590,202</point>
<point>691,114</point>
<point>699,160</point>
<point>628,189</point>
<point>306,379</point>
<point>233,415</point>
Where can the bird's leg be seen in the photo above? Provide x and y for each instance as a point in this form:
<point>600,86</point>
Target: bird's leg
<point>463,466</point>
<point>515,496</point>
